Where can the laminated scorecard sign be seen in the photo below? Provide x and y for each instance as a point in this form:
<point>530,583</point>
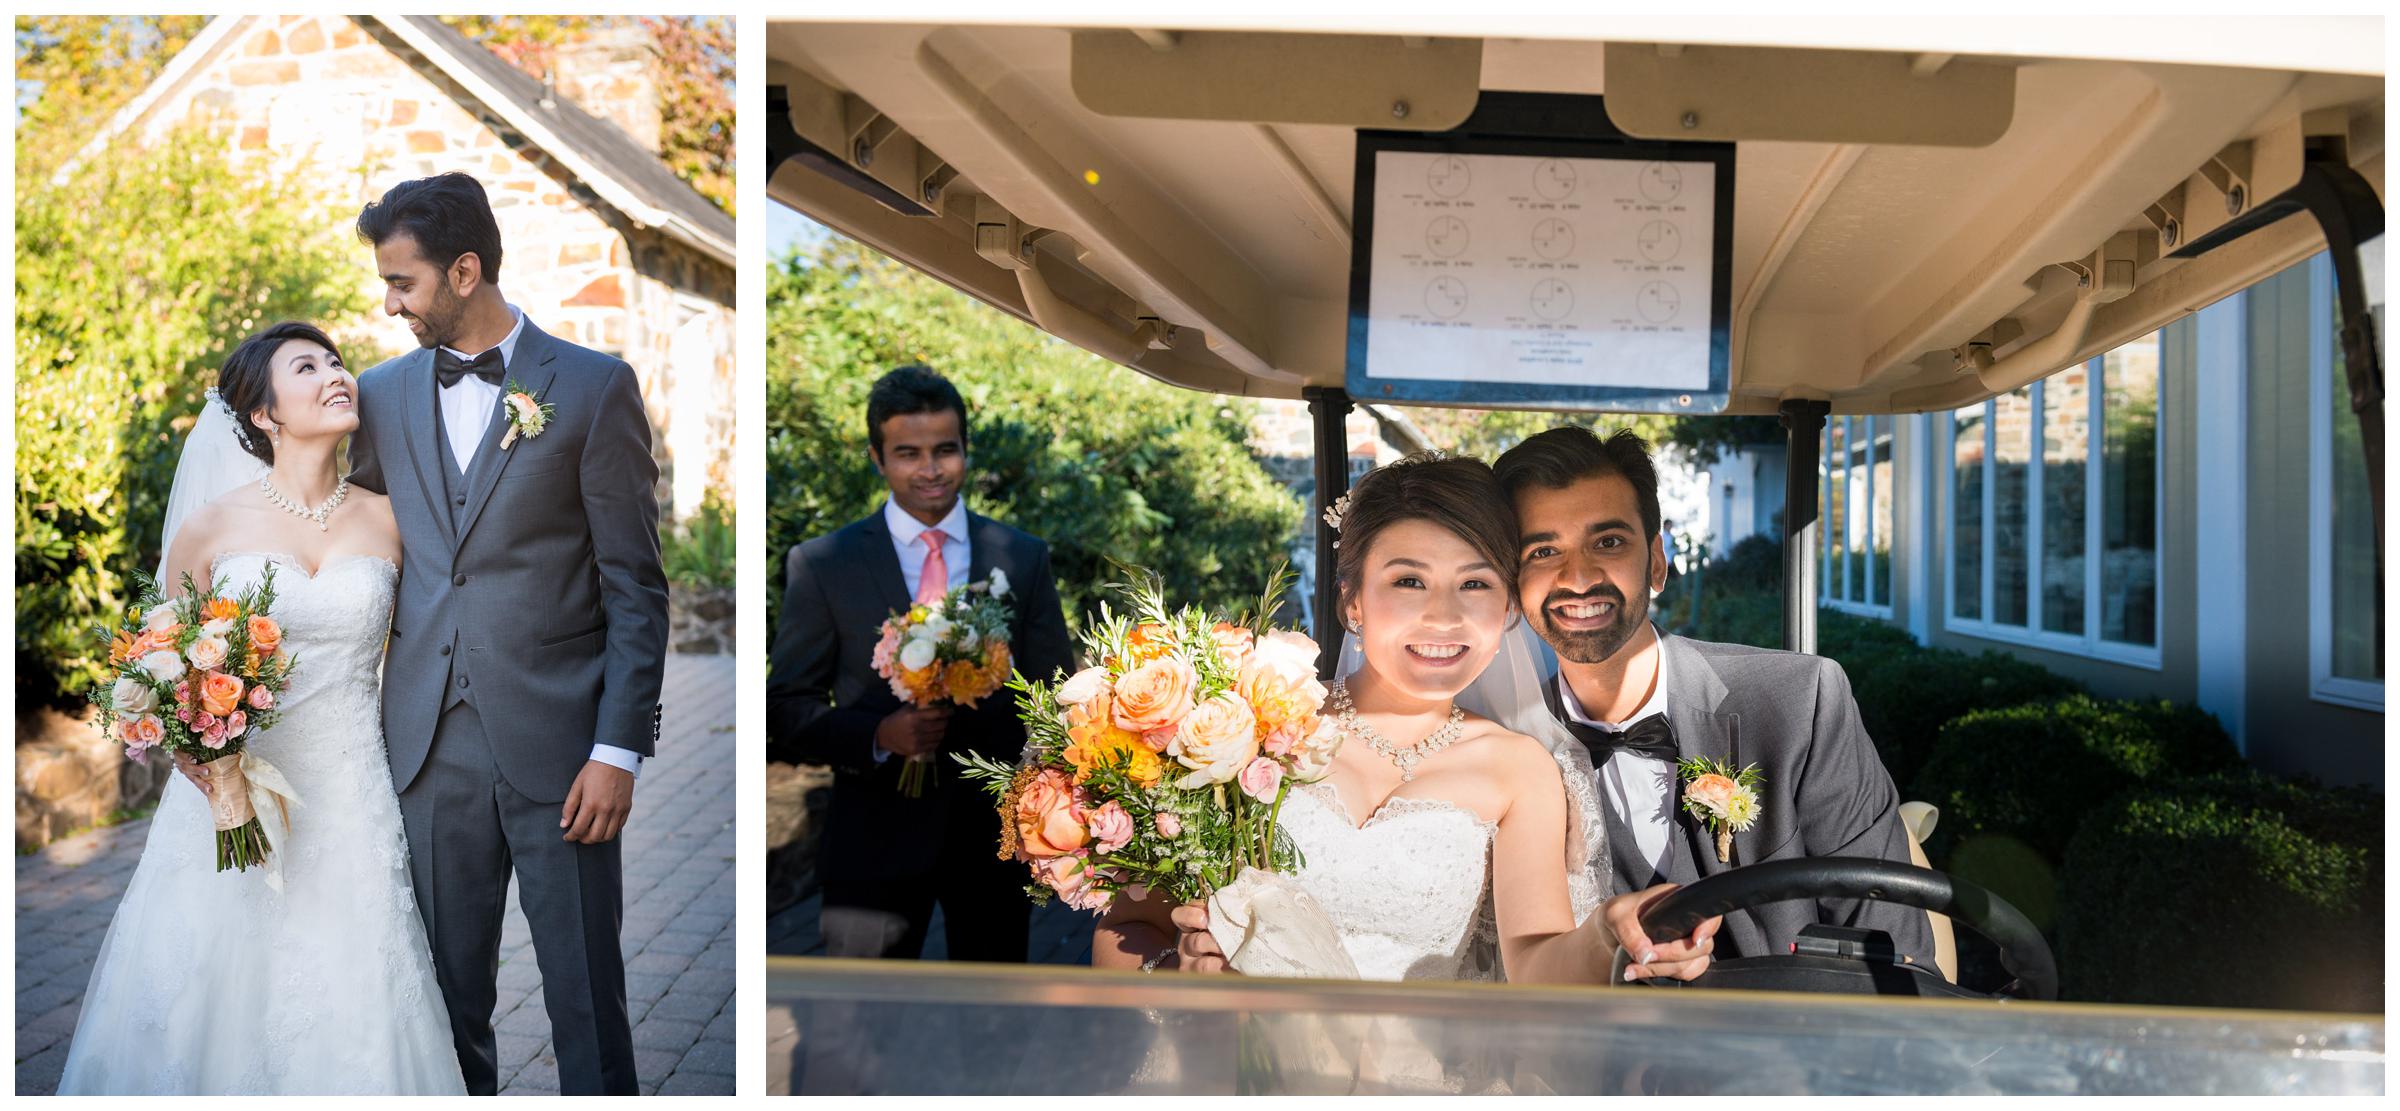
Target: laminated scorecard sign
<point>1536,258</point>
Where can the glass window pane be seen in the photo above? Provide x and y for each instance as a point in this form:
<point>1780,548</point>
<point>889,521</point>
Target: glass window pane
<point>2012,460</point>
<point>2066,455</point>
<point>1837,486</point>
<point>1879,538</point>
<point>1966,513</point>
<point>2129,494</point>
<point>1857,504</point>
<point>2357,649</point>
<point>1825,463</point>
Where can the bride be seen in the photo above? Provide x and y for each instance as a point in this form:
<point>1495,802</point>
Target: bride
<point>1436,829</point>
<point>310,974</point>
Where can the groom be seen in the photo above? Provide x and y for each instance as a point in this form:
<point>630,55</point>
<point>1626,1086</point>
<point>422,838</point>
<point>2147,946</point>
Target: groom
<point>887,858</point>
<point>1588,523</point>
<point>520,690</point>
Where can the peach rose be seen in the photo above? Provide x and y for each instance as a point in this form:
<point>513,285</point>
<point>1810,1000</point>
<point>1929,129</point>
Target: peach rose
<point>147,730</point>
<point>1233,642</point>
<point>1112,828</point>
<point>1262,778</point>
<point>1712,791</point>
<point>1312,753</point>
<point>208,653</point>
<point>220,693</point>
<point>1050,817</point>
<point>1169,826</point>
<point>1155,696</point>
<point>265,635</point>
<point>1084,686</point>
<point>1217,740</point>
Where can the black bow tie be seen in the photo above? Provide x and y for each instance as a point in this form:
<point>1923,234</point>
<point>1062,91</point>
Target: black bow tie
<point>1651,736</point>
<point>449,368</point>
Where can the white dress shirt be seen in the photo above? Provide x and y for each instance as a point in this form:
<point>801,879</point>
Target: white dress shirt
<point>467,406</point>
<point>1639,788</point>
<point>908,545</point>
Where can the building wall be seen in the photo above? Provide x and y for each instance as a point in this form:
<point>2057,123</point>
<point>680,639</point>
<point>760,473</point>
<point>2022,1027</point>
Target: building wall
<point>331,97</point>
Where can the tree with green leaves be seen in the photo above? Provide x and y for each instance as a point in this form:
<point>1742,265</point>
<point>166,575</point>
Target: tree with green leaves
<point>1112,468</point>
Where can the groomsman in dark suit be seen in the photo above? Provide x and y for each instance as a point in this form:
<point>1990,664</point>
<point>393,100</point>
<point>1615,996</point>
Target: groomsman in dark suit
<point>887,859</point>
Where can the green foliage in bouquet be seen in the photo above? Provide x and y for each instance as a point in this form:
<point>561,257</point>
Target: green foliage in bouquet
<point>137,272</point>
<point>1103,463</point>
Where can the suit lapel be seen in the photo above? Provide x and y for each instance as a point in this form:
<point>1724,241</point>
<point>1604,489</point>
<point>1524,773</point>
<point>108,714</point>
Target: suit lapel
<point>883,564</point>
<point>1694,692</point>
<point>535,372</point>
<point>982,543</point>
<point>424,437</point>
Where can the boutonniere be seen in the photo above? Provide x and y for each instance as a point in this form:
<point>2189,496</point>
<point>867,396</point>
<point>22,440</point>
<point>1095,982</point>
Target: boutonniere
<point>1723,798</point>
<point>526,415</point>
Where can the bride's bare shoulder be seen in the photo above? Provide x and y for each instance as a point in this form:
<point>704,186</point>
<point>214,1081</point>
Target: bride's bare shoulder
<point>1510,751</point>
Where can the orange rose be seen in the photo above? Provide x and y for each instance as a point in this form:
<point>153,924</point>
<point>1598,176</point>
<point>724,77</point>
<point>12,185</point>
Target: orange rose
<point>220,609</point>
<point>220,694</point>
<point>265,635</point>
<point>1155,695</point>
<point>1049,817</point>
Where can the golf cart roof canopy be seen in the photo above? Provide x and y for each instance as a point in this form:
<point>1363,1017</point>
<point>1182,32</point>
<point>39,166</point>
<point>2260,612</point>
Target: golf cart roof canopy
<point>1923,214</point>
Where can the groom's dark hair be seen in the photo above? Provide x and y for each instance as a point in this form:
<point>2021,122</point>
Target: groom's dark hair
<point>1565,456</point>
<point>447,214</point>
<point>911,389</point>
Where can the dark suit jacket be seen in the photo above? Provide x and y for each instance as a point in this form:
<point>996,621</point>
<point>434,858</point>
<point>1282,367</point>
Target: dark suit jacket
<point>824,699</point>
<point>1825,792</point>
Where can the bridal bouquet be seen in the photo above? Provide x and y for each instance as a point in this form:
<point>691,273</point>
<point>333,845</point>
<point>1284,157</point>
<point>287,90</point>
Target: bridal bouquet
<point>954,650</point>
<point>197,676</point>
<point>1165,764</point>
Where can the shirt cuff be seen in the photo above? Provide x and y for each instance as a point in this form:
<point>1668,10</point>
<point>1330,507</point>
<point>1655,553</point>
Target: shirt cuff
<point>880,754</point>
<point>622,758</point>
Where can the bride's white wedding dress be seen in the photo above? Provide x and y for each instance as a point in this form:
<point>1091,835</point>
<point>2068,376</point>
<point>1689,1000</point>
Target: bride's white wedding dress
<point>214,982</point>
<point>1409,890</point>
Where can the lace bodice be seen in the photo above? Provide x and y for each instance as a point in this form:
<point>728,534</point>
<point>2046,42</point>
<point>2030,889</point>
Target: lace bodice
<point>1408,889</point>
<point>325,986</point>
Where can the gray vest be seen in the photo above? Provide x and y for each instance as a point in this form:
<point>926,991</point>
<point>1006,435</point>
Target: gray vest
<point>456,481</point>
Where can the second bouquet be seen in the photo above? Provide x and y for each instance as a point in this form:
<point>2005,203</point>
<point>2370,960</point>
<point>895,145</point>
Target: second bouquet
<point>954,651</point>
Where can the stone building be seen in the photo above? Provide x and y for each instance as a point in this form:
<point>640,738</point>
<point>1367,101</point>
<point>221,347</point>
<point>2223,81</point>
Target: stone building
<point>604,245</point>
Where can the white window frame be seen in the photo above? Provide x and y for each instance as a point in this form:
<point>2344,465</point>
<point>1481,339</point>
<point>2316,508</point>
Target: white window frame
<point>2087,643</point>
<point>1831,570</point>
<point>2323,684</point>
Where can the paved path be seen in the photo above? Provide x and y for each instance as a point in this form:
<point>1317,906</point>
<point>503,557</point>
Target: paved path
<point>678,937</point>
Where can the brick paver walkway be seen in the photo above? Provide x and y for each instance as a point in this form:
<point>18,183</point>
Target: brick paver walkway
<point>678,937</point>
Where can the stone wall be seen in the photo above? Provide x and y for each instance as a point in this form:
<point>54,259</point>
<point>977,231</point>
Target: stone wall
<point>352,104</point>
<point>69,778</point>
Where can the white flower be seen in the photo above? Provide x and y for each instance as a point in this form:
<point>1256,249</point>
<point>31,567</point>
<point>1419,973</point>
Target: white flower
<point>208,653</point>
<point>967,638</point>
<point>999,583</point>
<point>939,626</point>
<point>1084,686</point>
<point>132,696</point>
<point>159,617</point>
<point>917,655</point>
<point>220,627</point>
<point>921,631</point>
<point>166,667</point>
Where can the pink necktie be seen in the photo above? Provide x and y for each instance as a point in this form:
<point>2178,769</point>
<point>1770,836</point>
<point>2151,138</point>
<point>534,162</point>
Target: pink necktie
<point>933,579</point>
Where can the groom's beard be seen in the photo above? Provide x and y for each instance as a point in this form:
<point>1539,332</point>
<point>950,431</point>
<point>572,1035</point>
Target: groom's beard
<point>441,324</point>
<point>1591,646</point>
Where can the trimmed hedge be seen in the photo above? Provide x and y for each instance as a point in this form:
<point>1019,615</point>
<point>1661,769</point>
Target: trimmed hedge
<point>2032,772</point>
<point>2234,890</point>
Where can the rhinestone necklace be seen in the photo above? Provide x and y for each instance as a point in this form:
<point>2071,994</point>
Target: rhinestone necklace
<point>341,489</point>
<point>1406,759</point>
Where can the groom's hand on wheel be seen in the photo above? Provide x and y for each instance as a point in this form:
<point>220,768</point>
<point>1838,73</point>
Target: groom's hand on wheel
<point>598,804</point>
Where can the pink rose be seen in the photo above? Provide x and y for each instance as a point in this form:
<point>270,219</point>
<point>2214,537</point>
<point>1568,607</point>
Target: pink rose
<point>214,736</point>
<point>1712,791</point>
<point>1261,778</point>
<point>235,725</point>
<point>1111,828</point>
<point>148,731</point>
<point>1169,826</point>
<point>1071,877</point>
<point>261,698</point>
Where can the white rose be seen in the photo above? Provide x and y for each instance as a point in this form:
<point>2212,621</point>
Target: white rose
<point>208,653</point>
<point>159,617</point>
<point>917,655</point>
<point>1290,653</point>
<point>132,696</point>
<point>921,631</point>
<point>999,583</point>
<point>938,625</point>
<point>166,667</point>
<point>1084,686</point>
<point>220,627</point>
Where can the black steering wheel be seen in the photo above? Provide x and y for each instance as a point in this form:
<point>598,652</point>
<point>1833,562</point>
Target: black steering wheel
<point>2022,951</point>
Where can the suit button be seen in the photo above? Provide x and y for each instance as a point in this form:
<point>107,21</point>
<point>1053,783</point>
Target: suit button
<point>458,580</point>
<point>462,682</point>
<point>445,650</point>
<point>460,501</point>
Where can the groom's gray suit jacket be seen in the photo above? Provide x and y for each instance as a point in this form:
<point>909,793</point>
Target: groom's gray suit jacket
<point>1825,792</point>
<point>531,585</point>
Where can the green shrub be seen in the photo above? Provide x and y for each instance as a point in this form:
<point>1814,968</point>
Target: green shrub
<point>1907,692</point>
<point>699,553</point>
<point>2032,772</point>
<point>136,274</point>
<point>2232,890</point>
<point>1100,461</point>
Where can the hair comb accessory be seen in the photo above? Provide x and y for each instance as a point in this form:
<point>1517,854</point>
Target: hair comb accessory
<point>1334,513</point>
<point>239,432</point>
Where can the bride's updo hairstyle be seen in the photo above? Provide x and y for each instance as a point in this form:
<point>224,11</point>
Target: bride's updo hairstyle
<point>1455,492</point>
<point>246,384</point>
